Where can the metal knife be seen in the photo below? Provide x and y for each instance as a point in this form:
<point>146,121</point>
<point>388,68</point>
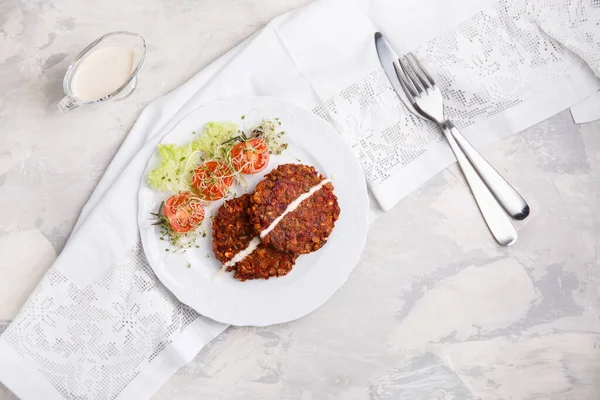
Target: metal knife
<point>505,194</point>
<point>387,58</point>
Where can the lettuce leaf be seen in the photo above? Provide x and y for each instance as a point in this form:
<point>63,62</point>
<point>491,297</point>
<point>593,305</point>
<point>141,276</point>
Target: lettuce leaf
<point>214,140</point>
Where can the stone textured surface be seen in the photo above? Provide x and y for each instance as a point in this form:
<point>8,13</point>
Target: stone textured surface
<point>434,310</point>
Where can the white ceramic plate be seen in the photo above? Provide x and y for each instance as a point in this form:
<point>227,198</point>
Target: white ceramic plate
<point>315,277</point>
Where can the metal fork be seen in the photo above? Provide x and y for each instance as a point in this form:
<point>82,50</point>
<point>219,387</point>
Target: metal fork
<point>491,191</point>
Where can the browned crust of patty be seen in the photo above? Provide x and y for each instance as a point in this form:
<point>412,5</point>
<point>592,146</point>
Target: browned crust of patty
<point>263,263</point>
<point>233,231</point>
<point>307,228</point>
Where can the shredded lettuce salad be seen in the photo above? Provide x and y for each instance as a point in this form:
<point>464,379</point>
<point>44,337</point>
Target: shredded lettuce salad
<point>177,163</point>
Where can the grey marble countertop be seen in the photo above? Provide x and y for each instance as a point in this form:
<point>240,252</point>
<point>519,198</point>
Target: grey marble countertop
<point>434,310</point>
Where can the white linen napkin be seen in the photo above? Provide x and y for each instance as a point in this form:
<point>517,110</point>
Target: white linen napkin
<point>100,325</point>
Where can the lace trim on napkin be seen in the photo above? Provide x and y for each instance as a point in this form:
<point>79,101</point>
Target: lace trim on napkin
<point>94,341</point>
<point>375,124</point>
<point>495,60</point>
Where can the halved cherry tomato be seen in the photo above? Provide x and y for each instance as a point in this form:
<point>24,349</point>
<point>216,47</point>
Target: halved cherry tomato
<point>251,156</point>
<point>213,180</point>
<point>184,212</point>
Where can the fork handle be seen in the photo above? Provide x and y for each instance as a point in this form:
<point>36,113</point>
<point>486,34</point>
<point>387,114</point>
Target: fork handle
<point>508,197</point>
<point>493,214</point>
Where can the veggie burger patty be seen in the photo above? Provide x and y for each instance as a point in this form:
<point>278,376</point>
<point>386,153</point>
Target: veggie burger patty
<point>305,229</point>
<point>232,232</point>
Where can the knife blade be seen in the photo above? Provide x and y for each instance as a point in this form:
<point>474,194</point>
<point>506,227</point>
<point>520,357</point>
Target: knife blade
<point>387,58</point>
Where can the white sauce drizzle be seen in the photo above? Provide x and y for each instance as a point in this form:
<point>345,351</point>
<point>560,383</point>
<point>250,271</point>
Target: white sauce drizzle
<point>256,240</point>
<point>292,206</point>
<point>244,253</point>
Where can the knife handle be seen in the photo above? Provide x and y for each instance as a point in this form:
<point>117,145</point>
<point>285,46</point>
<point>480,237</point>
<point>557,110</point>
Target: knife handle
<point>493,214</point>
<point>508,197</point>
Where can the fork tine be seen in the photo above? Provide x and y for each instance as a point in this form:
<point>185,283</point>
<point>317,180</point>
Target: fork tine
<point>421,71</point>
<point>409,81</point>
<point>409,90</point>
<point>408,69</point>
<point>418,73</point>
